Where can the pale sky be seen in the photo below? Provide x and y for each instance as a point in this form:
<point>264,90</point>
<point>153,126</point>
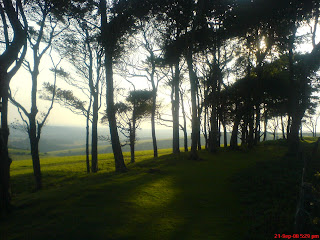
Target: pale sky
<point>21,88</point>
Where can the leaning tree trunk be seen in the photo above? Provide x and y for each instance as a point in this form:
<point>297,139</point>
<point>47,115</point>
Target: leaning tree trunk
<point>111,114</point>
<point>94,140</point>
<point>194,118</point>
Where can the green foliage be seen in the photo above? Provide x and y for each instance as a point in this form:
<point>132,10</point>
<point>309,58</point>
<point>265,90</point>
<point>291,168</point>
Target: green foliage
<point>141,100</point>
<point>60,72</point>
<point>138,106</point>
<point>64,97</point>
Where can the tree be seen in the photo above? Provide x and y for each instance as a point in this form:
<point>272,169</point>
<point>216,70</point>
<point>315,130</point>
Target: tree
<point>116,24</point>
<point>15,27</point>
<point>150,67</point>
<point>67,99</point>
<point>138,105</point>
<point>284,19</point>
<point>82,49</point>
<point>112,31</point>
<point>153,77</point>
<point>34,125</point>
<point>40,40</point>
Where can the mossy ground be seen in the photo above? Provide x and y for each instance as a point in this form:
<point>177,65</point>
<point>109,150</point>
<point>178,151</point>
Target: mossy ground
<point>229,195</point>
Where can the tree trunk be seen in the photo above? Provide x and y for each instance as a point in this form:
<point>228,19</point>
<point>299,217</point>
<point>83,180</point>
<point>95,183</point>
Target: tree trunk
<point>213,134</point>
<point>257,126</point>
<point>111,114</point>
<point>153,125</point>
<point>265,130</point>
<point>194,119</point>
<point>282,128</point>
<point>234,134</point>
<point>199,118</point>
<point>34,144</point>
<point>219,134</point>
<point>5,161</point>
<point>175,105</point>
<point>225,140</point>
<point>251,128</point>
<point>199,137</point>
<point>265,125</point>
<point>94,130</point>
<point>133,136</point>
<point>7,58</point>
<point>33,131</point>
<point>185,133</point>
<point>293,136</point>
<point>205,134</point>
<point>244,134</point>
<point>288,126</point>
<point>87,144</point>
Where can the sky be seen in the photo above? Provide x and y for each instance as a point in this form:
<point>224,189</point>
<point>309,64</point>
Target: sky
<point>59,116</point>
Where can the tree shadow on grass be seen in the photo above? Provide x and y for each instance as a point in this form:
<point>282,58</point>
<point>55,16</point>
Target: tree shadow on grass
<point>269,192</point>
<point>182,200</point>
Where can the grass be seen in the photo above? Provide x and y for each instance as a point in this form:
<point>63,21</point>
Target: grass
<point>229,195</point>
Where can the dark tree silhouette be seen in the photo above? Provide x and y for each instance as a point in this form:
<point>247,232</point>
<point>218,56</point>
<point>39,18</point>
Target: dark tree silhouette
<point>40,41</point>
<point>12,19</point>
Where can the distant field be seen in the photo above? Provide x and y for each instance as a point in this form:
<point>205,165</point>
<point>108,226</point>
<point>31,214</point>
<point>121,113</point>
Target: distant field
<point>20,154</point>
<point>243,195</point>
<point>141,145</point>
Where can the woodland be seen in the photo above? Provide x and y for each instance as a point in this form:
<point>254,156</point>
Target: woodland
<point>238,68</point>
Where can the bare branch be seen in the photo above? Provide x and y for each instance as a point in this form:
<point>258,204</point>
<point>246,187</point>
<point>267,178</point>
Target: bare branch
<point>18,105</point>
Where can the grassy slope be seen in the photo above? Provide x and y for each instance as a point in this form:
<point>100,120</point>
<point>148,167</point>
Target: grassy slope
<point>230,195</point>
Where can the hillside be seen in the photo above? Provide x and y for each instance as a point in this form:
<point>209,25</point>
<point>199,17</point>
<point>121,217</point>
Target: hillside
<point>230,195</point>
<point>70,141</point>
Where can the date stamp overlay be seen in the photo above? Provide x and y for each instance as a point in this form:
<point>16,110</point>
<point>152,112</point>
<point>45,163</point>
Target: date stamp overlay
<point>296,236</point>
